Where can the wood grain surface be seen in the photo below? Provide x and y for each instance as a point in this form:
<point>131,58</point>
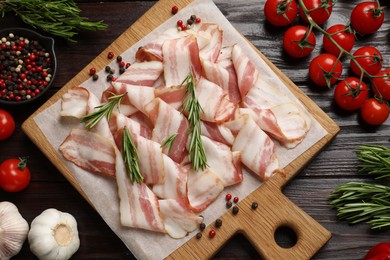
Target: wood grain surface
<point>309,189</point>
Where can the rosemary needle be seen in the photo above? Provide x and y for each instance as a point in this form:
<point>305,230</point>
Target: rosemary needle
<point>169,142</point>
<point>104,110</point>
<point>375,160</point>
<point>191,104</point>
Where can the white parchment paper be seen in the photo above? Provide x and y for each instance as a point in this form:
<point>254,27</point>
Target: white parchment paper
<point>103,191</point>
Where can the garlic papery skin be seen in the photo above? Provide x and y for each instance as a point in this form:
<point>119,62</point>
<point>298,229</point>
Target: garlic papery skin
<point>13,230</point>
<point>53,235</point>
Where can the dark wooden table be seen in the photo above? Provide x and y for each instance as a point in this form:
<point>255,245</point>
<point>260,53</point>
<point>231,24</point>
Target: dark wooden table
<point>335,165</point>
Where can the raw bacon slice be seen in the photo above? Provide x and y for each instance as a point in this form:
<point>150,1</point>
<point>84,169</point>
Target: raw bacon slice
<point>225,77</point>
<point>90,151</point>
<point>119,121</point>
<point>203,188</point>
<point>210,52</point>
<point>152,51</point>
<point>257,149</point>
<point>173,96</point>
<point>151,164</point>
<point>217,132</point>
<point>126,108</point>
<point>178,220</point>
<point>75,102</point>
<point>137,96</point>
<point>138,206</point>
<point>181,57</point>
<point>167,121</point>
<point>142,73</point>
<point>223,162</point>
<point>216,107</point>
<point>245,69</point>
<point>277,114</point>
<point>175,184</point>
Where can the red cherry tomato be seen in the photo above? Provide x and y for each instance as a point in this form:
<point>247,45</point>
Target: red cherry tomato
<point>374,112</point>
<point>319,10</point>
<point>7,125</point>
<point>381,84</point>
<point>369,58</point>
<point>343,35</point>
<point>295,42</point>
<point>280,12</point>
<point>367,18</point>
<point>350,94</point>
<point>325,69</point>
<point>382,249</point>
<point>14,175</point>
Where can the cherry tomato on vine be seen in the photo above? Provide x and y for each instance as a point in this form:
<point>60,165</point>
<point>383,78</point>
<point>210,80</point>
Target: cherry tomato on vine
<point>350,94</point>
<point>367,17</point>
<point>7,124</point>
<point>14,174</point>
<point>381,84</point>
<point>280,12</point>
<point>343,35</point>
<point>319,10</point>
<point>325,69</point>
<point>296,43</point>
<point>374,112</point>
<point>369,58</point>
<point>379,250</point>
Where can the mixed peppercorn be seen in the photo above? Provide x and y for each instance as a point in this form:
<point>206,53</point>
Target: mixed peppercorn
<point>25,68</point>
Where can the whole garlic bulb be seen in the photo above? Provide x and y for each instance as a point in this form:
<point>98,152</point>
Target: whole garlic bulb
<point>53,235</point>
<point>13,230</point>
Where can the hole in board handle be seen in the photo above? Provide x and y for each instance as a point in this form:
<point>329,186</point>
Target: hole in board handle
<point>285,236</point>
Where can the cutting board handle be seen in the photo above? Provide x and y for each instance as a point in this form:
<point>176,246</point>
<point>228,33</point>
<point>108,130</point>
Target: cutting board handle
<point>259,225</point>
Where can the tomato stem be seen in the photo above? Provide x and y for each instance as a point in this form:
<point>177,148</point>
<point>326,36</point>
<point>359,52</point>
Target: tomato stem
<point>23,162</point>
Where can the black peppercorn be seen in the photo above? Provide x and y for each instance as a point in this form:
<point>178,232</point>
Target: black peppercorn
<point>122,70</point>
<point>107,69</point>
<point>198,235</point>
<point>254,205</point>
<point>202,226</point>
<point>109,77</point>
<point>119,58</point>
<point>95,77</point>
<point>190,22</point>
<point>193,17</point>
<point>218,223</point>
<point>229,204</point>
<point>235,210</point>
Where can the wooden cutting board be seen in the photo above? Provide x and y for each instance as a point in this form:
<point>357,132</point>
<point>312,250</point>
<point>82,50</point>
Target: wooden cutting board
<point>274,210</point>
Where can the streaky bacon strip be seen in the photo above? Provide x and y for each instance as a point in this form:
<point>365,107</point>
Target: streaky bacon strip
<point>210,52</point>
<point>151,164</point>
<point>213,100</point>
<point>138,205</point>
<point>225,77</point>
<point>203,189</point>
<point>119,121</point>
<point>257,149</point>
<point>137,96</point>
<point>245,69</point>
<point>175,185</point>
<point>75,102</point>
<point>181,57</point>
<point>90,151</point>
<point>178,219</point>
<point>168,121</point>
<point>217,132</point>
<point>223,162</point>
<point>142,73</point>
<point>173,96</point>
<point>277,114</point>
<point>152,51</point>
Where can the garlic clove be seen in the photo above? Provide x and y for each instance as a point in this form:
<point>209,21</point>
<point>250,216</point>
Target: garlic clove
<point>13,230</point>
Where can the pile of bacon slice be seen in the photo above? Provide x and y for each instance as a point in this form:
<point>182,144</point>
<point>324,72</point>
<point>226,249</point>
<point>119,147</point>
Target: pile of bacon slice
<point>242,117</point>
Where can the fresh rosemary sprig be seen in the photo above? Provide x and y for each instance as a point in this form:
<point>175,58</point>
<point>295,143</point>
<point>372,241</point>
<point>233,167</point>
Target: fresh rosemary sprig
<point>130,157</point>
<point>104,110</point>
<point>169,142</point>
<point>57,17</point>
<point>375,160</point>
<point>362,202</point>
<point>191,104</point>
